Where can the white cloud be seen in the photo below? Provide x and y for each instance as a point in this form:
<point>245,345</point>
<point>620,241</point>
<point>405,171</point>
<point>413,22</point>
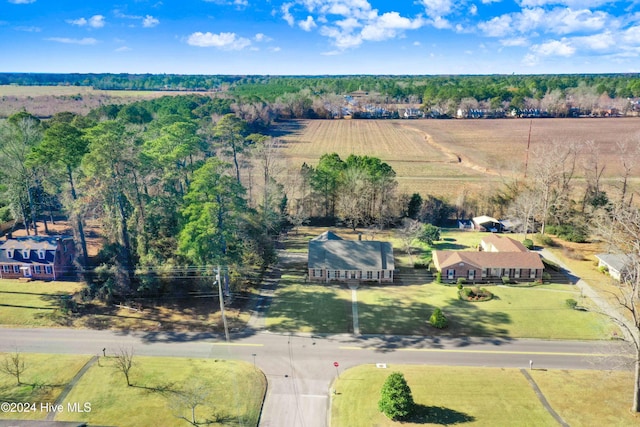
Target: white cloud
<point>568,3</point>
<point>84,41</point>
<point>554,48</point>
<point>96,21</point>
<point>499,26</point>
<point>150,22</point>
<point>437,8</point>
<point>598,42</point>
<point>513,42</point>
<point>123,49</point>
<point>22,1</point>
<point>286,14</point>
<point>441,23</point>
<point>259,37</point>
<point>28,29</point>
<point>473,9</point>
<point>566,21</point>
<point>308,24</point>
<point>275,49</point>
<point>224,41</point>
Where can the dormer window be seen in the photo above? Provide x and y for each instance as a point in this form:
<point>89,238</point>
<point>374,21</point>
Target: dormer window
<point>25,253</point>
<point>9,253</point>
<point>41,253</point>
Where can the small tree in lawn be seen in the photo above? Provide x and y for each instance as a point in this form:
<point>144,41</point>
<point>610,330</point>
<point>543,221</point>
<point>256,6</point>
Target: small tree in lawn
<point>124,363</point>
<point>13,364</point>
<point>396,400</point>
<point>438,320</point>
<point>429,234</point>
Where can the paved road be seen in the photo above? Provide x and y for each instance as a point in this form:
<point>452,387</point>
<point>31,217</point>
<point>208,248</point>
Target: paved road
<point>300,368</point>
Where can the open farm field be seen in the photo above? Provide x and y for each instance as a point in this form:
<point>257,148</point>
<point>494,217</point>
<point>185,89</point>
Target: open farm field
<point>441,157</point>
<point>45,101</point>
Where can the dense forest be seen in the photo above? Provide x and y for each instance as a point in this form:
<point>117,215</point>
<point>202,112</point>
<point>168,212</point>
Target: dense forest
<point>315,95</point>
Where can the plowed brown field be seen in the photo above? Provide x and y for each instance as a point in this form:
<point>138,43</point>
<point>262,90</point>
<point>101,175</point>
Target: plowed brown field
<point>441,157</point>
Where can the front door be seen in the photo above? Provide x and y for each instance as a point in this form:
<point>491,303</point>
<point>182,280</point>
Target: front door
<point>26,271</point>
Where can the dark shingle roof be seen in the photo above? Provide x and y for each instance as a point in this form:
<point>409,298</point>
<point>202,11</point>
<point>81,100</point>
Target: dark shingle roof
<point>340,254</point>
<point>33,244</point>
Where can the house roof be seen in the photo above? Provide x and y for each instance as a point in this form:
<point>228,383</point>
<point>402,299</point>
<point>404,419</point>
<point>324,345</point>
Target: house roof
<point>503,244</point>
<point>340,254</point>
<point>446,259</point>
<point>327,235</point>
<point>483,219</point>
<point>615,261</point>
<point>33,244</point>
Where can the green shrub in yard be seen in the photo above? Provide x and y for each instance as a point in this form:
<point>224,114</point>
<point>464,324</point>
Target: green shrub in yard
<point>460,286</point>
<point>396,400</point>
<point>545,240</point>
<point>505,280</point>
<point>528,243</point>
<point>546,276</point>
<point>603,269</point>
<point>438,320</point>
<point>461,281</point>
<point>438,277</point>
<point>571,303</point>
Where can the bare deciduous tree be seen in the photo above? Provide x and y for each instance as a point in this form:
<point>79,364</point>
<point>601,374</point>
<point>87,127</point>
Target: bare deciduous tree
<point>409,232</point>
<point>13,365</point>
<point>619,226</point>
<point>123,362</point>
<point>195,394</point>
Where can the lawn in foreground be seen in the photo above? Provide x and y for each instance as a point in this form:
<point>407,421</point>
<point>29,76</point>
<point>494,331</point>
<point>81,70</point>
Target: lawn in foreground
<point>301,306</point>
<point>487,396</point>
<point>235,391</point>
<point>32,303</point>
<point>536,312</point>
<point>444,395</point>
<point>44,378</point>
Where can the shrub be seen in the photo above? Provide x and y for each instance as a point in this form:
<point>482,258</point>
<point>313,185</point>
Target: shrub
<point>396,400</point>
<point>603,269</point>
<point>438,277</point>
<point>571,303</point>
<point>438,320</point>
<point>545,240</point>
<point>461,281</point>
<point>546,276</point>
<point>459,286</point>
<point>528,243</point>
<point>420,265</point>
<point>505,280</point>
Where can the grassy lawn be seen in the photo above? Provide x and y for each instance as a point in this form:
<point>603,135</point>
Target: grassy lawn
<point>444,395</point>
<point>235,392</point>
<point>487,396</point>
<point>606,402</point>
<point>300,306</point>
<point>536,312</point>
<point>44,378</point>
<point>32,303</point>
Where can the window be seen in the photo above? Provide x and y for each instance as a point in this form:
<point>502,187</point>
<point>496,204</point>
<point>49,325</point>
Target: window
<point>516,274</point>
<point>37,269</point>
<point>41,254</point>
<point>25,253</point>
<point>9,253</point>
<point>450,273</point>
<point>369,275</point>
<point>353,274</point>
<point>6,269</point>
<point>472,274</point>
<point>48,269</point>
<point>532,275</point>
<point>336,274</point>
<point>16,269</point>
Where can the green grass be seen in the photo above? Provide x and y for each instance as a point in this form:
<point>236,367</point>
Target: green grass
<point>32,303</point>
<point>236,392</point>
<point>306,307</point>
<point>444,395</point>
<point>536,312</point>
<point>44,378</point>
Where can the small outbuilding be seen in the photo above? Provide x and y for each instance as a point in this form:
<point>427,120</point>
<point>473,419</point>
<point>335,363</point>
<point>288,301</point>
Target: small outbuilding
<point>617,265</point>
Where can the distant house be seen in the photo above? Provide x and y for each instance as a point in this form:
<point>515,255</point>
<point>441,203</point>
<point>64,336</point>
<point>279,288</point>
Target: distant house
<point>333,258</point>
<point>486,223</point>
<point>616,264</point>
<point>36,257</point>
<point>498,257</point>
<point>465,224</point>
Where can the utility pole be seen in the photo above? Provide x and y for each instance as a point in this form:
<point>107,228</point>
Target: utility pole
<point>221,297</point>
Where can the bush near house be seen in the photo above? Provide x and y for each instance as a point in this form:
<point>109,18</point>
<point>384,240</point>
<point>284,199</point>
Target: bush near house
<point>528,243</point>
<point>438,319</point>
<point>475,294</point>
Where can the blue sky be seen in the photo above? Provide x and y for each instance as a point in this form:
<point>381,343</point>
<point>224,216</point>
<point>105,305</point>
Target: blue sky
<point>320,36</point>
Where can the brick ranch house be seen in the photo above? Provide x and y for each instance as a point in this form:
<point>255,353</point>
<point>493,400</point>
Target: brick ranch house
<point>497,257</point>
<point>36,257</point>
<point>333,258</point>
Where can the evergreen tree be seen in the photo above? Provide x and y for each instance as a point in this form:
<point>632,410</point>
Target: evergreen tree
<point>396,400</point>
